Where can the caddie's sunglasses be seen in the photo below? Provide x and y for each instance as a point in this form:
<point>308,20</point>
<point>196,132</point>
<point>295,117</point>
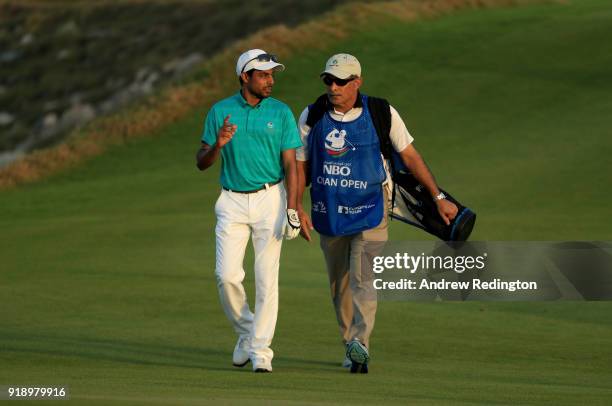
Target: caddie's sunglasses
<point>262,58</point>
<point>328,80</point>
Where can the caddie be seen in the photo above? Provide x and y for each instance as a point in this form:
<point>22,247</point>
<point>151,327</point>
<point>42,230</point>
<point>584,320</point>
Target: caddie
<point>256,137</point>
<point>341,159</point>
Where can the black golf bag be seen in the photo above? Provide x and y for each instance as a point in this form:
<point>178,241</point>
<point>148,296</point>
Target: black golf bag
<point>412,204</point>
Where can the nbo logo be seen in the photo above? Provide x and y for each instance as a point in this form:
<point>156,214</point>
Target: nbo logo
<point>332,169</point>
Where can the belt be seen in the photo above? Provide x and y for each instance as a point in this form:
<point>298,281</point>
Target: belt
<point>265,186</point>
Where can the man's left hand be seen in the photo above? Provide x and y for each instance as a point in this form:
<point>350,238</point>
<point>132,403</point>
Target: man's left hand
<point>447,210</point>
<point>293,226</point>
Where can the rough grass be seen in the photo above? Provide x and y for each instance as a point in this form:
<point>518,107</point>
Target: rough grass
<point>93,51</point>
<point>175,102</point>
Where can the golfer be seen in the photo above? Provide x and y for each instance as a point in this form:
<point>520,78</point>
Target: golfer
<point>341,158</point>
<point>256,137</point>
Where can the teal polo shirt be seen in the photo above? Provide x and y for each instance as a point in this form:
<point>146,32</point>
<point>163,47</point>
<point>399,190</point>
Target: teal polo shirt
<point>253,156</point>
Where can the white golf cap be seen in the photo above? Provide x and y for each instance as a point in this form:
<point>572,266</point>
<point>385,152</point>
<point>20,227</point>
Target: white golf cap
<point>342,66</point>
<point>249,60</point>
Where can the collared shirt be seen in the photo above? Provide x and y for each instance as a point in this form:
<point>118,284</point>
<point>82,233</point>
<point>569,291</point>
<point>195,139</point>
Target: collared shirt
<point>253,156</point>
<point>400,137</point>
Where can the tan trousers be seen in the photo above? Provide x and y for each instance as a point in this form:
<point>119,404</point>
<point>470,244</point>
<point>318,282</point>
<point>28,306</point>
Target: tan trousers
<point>352,292</point>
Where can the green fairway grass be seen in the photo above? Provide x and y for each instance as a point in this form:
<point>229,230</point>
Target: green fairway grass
<point>107,271</point>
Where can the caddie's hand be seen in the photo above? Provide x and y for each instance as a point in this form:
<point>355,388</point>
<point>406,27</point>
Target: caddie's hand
<point>447,209</point>
<point>292,228</point>
<point>226,132</point>
<point>306,224</point>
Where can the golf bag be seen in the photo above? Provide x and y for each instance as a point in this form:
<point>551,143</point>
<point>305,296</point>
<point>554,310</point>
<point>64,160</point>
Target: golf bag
<point>411,203</point>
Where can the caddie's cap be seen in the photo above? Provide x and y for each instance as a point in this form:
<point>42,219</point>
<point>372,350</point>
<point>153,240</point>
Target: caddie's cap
<point>257,59</point>
<point>342,66</point>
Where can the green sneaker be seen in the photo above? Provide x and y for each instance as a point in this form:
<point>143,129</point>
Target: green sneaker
<point>359,356</point>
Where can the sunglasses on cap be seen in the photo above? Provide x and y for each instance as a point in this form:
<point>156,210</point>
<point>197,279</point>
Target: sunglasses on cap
<point>262,58</point>
<point>329,79</point>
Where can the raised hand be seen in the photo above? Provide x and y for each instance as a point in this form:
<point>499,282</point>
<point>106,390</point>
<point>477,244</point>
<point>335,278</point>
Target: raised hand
<point>226,132</point>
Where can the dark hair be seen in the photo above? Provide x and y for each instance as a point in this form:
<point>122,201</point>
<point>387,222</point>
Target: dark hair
<point>249,72</point>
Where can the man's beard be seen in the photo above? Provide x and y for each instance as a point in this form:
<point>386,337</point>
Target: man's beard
<point>259,95</point>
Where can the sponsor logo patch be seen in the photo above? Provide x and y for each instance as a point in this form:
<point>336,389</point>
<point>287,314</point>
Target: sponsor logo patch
<point>319,207</point>
<point>354,210</point>
<point>336,143</point>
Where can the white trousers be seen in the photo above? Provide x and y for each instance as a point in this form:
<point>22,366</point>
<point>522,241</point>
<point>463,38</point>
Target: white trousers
<point>239,215</point>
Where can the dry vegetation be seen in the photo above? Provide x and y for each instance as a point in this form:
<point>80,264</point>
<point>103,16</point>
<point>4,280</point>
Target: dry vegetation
<point>176,102</point>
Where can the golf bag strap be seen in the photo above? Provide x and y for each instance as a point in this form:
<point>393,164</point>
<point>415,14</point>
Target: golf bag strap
<point>380,112</point>
<point>316,110</point>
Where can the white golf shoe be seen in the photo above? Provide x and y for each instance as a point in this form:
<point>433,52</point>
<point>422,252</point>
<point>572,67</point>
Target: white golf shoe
<point>262,365</point>
<point>241,352</point>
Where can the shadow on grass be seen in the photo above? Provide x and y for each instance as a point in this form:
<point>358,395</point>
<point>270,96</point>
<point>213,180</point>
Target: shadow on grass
<point>144,353</point>
<point>118,350</point>
<point>308,363</point>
